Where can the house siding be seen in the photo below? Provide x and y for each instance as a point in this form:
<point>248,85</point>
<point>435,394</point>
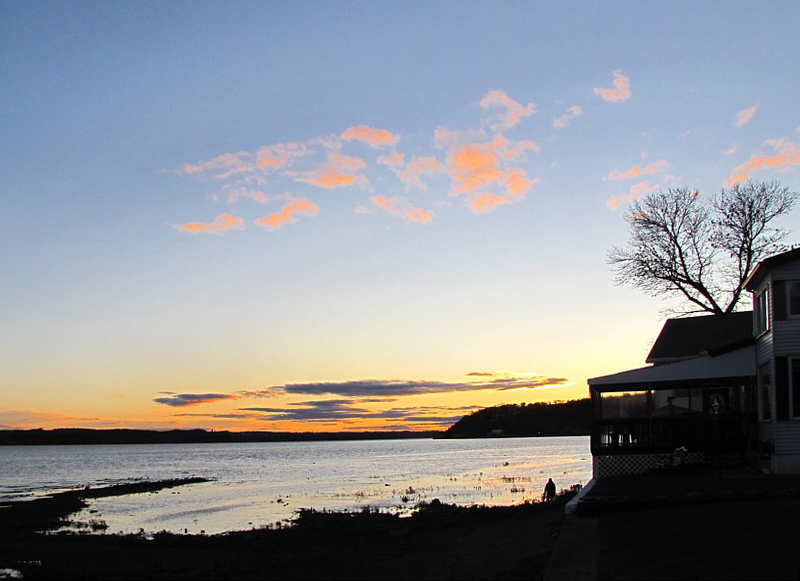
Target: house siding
<point>788,437</point>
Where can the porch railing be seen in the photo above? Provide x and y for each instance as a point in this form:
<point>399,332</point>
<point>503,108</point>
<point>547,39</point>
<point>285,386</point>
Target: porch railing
<point>723,434</point>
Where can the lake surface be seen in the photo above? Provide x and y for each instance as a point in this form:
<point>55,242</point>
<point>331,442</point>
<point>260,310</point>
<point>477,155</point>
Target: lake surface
<point>264,483</point>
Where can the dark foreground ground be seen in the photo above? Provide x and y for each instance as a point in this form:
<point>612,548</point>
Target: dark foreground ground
<point>681,525</point>
<point>438,542</point>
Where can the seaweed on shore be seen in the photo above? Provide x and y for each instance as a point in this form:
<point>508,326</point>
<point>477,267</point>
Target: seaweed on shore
<point>50,512</point>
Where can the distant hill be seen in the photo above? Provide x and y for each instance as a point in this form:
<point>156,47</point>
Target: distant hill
<point>570,418</point>
<point>125,436</point>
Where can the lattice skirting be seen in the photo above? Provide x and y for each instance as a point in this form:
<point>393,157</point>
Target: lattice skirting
<point>619,465</point>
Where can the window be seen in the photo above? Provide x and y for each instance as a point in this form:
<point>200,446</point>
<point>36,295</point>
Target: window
<point>794,389</point>
<point>794,298</point>
<point>765,391</point>
<point>761,311</point>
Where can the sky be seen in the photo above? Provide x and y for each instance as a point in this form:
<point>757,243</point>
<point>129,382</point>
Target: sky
<point>325,216</point>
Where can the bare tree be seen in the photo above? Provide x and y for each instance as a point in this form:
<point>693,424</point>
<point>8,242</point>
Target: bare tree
<point>701,251</point>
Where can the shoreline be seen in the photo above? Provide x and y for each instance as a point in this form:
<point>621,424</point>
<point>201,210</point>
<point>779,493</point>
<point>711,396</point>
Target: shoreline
<point>438,541</point>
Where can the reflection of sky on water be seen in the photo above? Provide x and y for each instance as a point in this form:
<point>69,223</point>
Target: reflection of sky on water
<point>260,484</point>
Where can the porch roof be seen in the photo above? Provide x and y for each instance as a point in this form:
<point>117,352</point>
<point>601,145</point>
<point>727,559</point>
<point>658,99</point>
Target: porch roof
<point>705,371</point>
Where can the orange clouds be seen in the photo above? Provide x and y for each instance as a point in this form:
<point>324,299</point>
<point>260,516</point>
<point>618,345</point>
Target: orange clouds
<point>620,92</point>
<point>392,160</point>
<point>370,136</point>
<point>223,166</point>
<point>636,192</point>
<point>221,223</point>
<point>744,116</point>
<point>338,172</point>
<point>787,154</point>
<point>287,213</point>
<point>636,171</point>
<point>399,207</point>
<point>418,167</point>
<point>512,113</point>
<point>280,155</point>
<point>473,167</point>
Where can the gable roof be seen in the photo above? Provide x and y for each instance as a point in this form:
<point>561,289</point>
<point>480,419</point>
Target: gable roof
<point>763,267</point>
<point>695,336</point>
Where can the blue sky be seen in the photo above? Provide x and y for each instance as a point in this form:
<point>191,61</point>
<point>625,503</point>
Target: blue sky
<point>227,199</point>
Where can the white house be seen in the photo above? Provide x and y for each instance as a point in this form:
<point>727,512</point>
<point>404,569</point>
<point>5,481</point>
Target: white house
<point>726,387</point>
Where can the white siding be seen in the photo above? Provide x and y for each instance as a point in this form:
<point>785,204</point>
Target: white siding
<point>789,437</point>
<point>786,334</point>
<point>764,351</point>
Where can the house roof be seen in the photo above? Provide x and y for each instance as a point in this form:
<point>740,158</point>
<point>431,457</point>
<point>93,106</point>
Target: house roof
<point>695,336</point>
<point>763,267</point>
<point>721,369</point>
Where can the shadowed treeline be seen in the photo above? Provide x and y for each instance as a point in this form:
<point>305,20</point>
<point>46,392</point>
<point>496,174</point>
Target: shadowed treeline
<point>571,418</point>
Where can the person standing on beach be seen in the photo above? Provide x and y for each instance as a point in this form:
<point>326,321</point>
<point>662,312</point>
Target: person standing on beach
<point>549,490</point>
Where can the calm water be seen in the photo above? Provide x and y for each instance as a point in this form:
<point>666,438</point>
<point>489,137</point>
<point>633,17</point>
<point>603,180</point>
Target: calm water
<point>260,484</point>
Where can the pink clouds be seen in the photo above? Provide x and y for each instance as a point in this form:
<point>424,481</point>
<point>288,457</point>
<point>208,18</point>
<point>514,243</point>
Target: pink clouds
<point>287,213</point>
<point>280,155</point>
<point>636,192</point>
<point>473,167</point>
<point>786,154</point>
<point>370,136</point>
<point>743,117</point>
<point>620,92</point>
<point>572,113</point>
<point>223,166</point>
<point>512,112</point>
<point>392,160</point>
<point>401,208</point>
<point>221,223</point>
<point>338,172</point>
<point>418,167</point>
<point>636,171</point>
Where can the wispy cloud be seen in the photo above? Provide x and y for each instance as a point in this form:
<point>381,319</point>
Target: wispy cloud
<point>564,120</point>
<point>287,213</point>
<point>650,169</point>
<point>221,223</point>
<point>637,192</point>
<point>280,156</point>
<point>339,171</point>
<point>418,167</point>
<point>190,399</point>
<point>401,387</point>
<point>223,166</point>
<point>402,209</point>
<point>511,112</point>
<point>787,154</point>
<point>743,117</point>
<point>621,90</point>
<point>392,160</point>
<point>370,136</point>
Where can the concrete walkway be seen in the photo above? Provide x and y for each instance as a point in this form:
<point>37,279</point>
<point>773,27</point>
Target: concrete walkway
<point>576,553</point>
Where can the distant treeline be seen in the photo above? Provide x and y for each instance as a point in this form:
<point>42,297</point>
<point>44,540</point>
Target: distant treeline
<point>570,418</point>
<point>126,436</point>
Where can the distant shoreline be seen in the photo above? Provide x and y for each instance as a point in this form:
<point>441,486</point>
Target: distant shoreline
<point>83,436</point>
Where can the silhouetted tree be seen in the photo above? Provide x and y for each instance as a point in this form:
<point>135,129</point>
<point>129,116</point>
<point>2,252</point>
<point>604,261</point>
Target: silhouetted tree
<point>701,250</point>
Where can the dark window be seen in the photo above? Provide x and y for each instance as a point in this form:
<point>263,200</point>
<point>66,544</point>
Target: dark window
<point>795,388</point>
<point>764,391</point>
<point>760,312</point>
<point>794,298</point>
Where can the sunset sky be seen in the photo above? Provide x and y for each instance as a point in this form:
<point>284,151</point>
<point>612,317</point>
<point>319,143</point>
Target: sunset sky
<point>317,216</point>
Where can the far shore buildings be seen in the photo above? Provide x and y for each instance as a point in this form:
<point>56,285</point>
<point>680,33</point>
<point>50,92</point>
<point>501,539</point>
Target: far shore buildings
<point>725,387</point>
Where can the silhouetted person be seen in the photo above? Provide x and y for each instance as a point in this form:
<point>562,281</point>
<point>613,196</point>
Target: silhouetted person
<point>549,490</point>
